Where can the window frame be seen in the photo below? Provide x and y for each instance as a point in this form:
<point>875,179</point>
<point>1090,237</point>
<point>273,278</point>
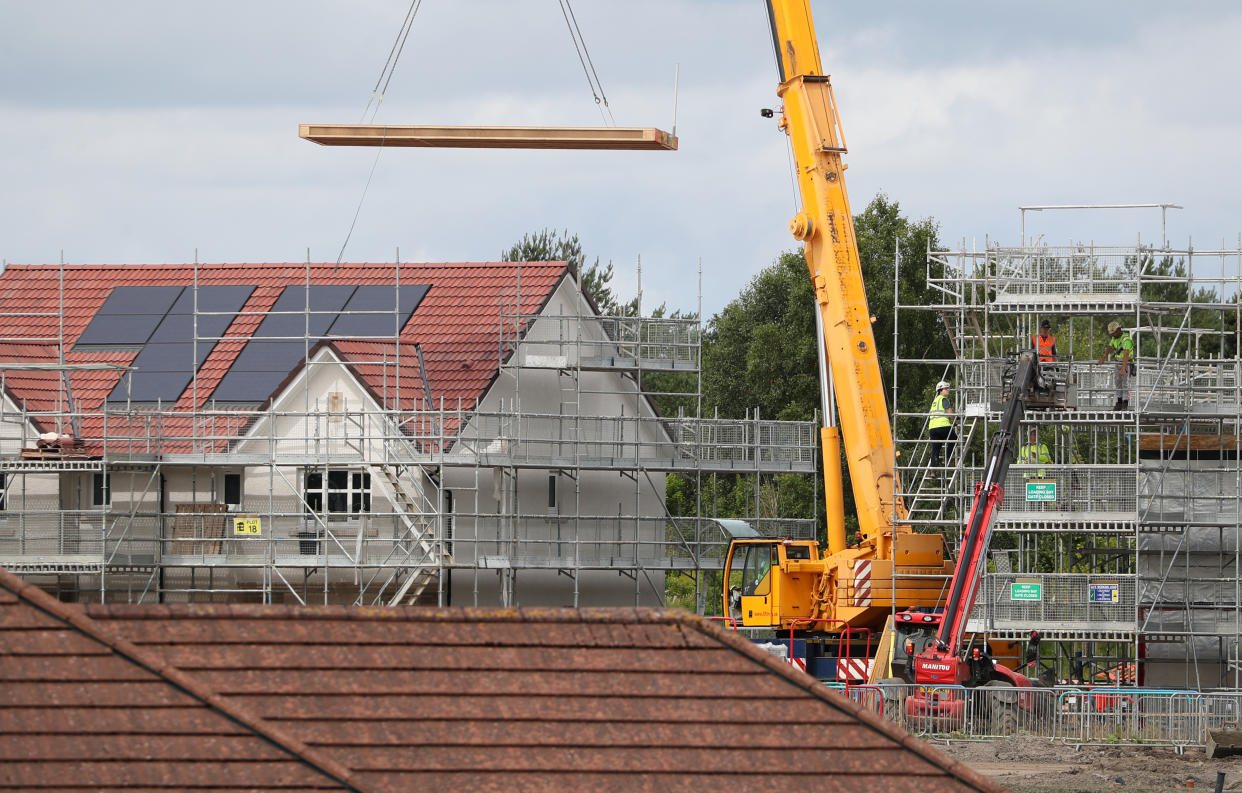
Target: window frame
<point>101,489</point>
<point>336,494</point>
<point>227,484</point>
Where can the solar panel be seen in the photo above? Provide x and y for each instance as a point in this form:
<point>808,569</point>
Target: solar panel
<point>277,345</point>
<point>129,316</point>
<point>378,298</point>
<point>171,356</point>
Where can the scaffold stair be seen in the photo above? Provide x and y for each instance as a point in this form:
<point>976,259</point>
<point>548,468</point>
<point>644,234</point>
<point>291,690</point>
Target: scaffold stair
<point>424,558</point>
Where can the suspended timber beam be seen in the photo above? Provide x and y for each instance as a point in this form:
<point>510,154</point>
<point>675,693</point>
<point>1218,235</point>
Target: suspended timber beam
<point>632,138</point>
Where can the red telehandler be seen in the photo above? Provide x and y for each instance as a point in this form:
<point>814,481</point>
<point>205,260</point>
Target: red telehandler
<point>933,642</point>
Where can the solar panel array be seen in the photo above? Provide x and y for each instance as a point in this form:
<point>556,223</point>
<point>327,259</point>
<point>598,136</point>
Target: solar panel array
<point>175,336</point>
<point>129,316</point>
<point>300,319</point>
<point>179,344</point>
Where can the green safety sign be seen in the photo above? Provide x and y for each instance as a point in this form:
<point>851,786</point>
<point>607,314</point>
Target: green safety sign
<point>1041,491</point>
<point>1026,591</point>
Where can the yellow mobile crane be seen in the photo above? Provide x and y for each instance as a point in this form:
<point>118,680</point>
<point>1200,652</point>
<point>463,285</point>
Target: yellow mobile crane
<point>789,584</point>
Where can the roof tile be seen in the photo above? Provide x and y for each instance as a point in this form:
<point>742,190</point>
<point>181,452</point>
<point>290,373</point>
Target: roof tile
<point>406,698</point>
<point>457,324</point>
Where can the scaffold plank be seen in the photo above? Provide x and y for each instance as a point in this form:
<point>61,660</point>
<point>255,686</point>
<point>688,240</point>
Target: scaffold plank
<point>462,137</point>
<point>1198,442</point>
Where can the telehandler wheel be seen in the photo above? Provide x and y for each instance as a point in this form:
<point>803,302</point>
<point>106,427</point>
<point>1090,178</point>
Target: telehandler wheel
<point>1000,703</point>
<point>894,699</point>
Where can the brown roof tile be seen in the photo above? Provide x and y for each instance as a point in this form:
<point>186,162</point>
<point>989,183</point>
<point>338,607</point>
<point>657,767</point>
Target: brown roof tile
<point>463,699</point>
<point>83,708</point>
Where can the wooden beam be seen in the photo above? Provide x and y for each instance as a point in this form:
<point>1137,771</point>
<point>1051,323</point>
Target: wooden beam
<point>1207,442</point>
<point>630,138</point>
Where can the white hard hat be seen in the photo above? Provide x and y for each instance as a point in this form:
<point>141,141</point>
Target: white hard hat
<point>1113,327</point>
<point>943,384</point>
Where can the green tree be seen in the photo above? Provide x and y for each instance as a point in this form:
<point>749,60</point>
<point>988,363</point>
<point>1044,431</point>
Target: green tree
<point>561,246</point>
<point>760,351</point>
<point>889,240</point>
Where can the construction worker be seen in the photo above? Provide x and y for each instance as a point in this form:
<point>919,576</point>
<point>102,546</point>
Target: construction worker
<point>1120,350</point>
<point>1034,453</point>
<point>1045,344</point>
<point>940,425</point>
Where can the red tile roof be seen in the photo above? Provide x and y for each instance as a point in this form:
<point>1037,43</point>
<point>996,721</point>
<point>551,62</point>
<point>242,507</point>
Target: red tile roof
<point>417,699</point>
<point>457,325</point>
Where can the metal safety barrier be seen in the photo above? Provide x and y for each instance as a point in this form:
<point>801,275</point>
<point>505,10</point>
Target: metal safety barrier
<point>1075,716</point>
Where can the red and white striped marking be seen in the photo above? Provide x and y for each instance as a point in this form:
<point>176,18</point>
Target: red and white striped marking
<point>853,669</point>
<point>798,663</point>
<point>862,583</point>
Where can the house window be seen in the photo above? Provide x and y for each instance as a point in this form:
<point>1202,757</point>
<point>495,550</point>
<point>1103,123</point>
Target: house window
<point>552,503</point>
<point>101,490</point>
<point>232,489</point>
<point>337,492</point>
<point>4,491</point>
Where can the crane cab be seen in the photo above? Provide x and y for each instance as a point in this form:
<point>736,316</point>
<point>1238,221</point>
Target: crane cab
<point>767,578</point>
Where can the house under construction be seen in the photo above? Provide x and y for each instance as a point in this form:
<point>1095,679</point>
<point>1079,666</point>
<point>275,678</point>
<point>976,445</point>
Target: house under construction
<point>1124,551</point>
<point>469,434</point>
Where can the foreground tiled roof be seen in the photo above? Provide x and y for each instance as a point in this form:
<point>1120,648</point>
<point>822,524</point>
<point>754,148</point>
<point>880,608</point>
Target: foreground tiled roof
<point>439,699</point>
<point>81,709</point>
<point>457,325</point>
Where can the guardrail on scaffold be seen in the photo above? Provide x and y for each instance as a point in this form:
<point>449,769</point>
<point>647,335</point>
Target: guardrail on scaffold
<point>1076,716</point>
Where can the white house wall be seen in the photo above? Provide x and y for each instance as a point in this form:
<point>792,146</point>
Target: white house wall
<point>318,431</point>
<point>595,519</point>
<point>16,433</point>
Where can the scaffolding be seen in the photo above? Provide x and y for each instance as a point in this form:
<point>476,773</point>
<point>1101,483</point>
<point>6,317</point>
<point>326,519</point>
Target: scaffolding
<point>1123,551</point>
<point>556,472</point>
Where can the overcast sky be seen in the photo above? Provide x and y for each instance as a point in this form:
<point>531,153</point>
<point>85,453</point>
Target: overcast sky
<point>138,132</point>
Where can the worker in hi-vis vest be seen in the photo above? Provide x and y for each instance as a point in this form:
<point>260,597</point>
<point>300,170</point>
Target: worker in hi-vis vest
<point>940,423</point>
<point>1120,351</point>
<point>1045,344</point>
<point>1034,453</point>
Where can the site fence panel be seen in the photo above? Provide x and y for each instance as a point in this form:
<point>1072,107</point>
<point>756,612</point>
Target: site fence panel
<point>969,713</point>
<point>1130,716</point>
<point>1075,716</point>
<point>871,698</point>
<point>1220,711</point>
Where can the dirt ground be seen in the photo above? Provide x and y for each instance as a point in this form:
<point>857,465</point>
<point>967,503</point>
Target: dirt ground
<point>1036,765</point>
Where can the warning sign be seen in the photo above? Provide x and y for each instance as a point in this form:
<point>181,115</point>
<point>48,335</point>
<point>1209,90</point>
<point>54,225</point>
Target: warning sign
<point>1026,590</point>
<point>1041,491</point>
<point>1105,593</point>
<point>247,526</point>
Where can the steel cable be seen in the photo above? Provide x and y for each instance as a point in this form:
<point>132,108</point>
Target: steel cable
<point>584,58</point>
<point>397,44</point>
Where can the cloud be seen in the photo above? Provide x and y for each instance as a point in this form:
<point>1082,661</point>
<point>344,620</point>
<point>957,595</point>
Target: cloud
<point>143,130</point>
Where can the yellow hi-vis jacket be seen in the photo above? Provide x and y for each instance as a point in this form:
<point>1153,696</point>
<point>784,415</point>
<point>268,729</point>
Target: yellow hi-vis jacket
<point>940,412</point>
<point>1032,454</point>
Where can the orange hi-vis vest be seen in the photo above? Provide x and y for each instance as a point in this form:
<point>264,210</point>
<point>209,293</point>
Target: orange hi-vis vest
<point>1044,346</point>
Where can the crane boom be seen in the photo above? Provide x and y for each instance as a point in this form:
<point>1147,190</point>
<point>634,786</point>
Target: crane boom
<point>826,228</point>
<point>789,584</point>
